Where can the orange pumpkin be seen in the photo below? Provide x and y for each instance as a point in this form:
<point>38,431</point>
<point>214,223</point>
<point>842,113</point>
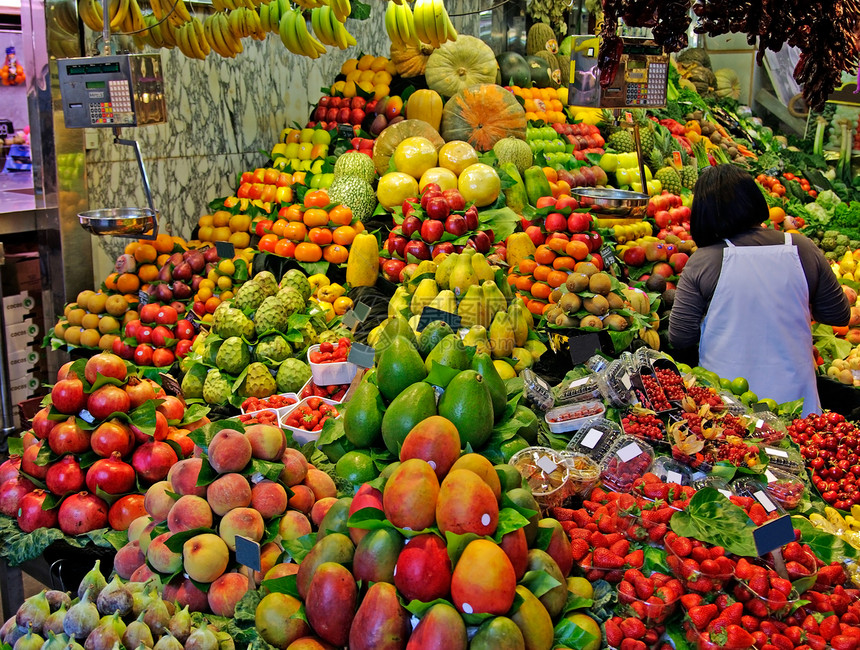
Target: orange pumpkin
<point>482,115</point>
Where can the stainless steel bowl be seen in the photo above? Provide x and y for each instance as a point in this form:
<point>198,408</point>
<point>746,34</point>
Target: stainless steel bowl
<point>612,204</point>
<point>118,221</point>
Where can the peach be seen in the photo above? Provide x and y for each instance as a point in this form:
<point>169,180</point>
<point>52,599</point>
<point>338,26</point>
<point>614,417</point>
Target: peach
<point>229,451</point>
<point>294,525</point>
<point>227,492</point>
<point>320,508</point>
<point>321,483</point>
<point>184,592</point>
<point>157,502</point>
<point>225,592</point>
<point>183,477</point>
<point>205,557</point>
<point>142,574</point>
<point>850,293</point>
<point>269,499</point>
<point>282,570</point>
<point>853,336</point>
<point>295,467</point>
<point>855,317</point>
<point>246,522</point>
<point>146,536</point>
<point>303,498</point>
<point>269,555</point>
<point>188,513</point>
<point>267,442</point>
<point>161,558</point>
<point>128,559</point>
<point>137,526</point>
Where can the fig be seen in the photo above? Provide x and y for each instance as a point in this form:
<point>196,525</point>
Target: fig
<point>55,642</point>
<point>202,638</point>
<point>6,630</point>
<point>30,641</point>
<point>138,633</point>
<point>180,624</point>
<point>168,642</point>
<point>115,598</point>
<point>33,613</point>
<point>57,598</point>
<point>93,583</point>
<point>104,636</point>
<point>156,616</point>
<point>82,617</point>
<point>54,622</point>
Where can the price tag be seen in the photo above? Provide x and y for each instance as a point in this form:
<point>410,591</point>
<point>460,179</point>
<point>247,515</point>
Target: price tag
<point>248,553</point>
<point>345,131</point>
<point>628,117</point>
<point>579,382</point>
<point>725,493</point>
<point>431,314</point>
<point>546,464</point>
<point>592,438</point>
<point>361,310</point>
<point>779,453</point>
<point>629,452</point>
<point>674,477</point>
<point>773,535</point>
<point>763,499</point>
<point>361,355</point>
<point>759,424</point>
<point>225,249</point>
<point>350,320</point>
<point>607,254</point>
<point>583,347</point>
<point>625,379</point>
<point>769,476</point>
<point>86,416</point>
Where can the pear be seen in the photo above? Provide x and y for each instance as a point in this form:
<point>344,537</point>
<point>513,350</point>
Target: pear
<point>115,597</point>
<point>168,642</point>
<point>55,641</point>
<point>445,301</point>
<point>82,618</point>
<point>423,295</point>
<point>30,641</point>
<point>180,624</point>
<point>482,268</point>
<point>136,633</point>
<point>462,276</point>
<point>93,582</point>
<point>157,617</point>
<point>501,336</point>
<point>519,323</point>
<point>493,299</point>
<point>472,309</point>
<point>33,613</point>
<point>202,638</point>
<point>443,270</point>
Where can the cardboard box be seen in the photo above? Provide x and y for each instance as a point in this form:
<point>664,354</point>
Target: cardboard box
<point>17,306</point>
<point>23,387</point>
<point>22,362</point>
<point>21,336</point>
<point>22,272</point>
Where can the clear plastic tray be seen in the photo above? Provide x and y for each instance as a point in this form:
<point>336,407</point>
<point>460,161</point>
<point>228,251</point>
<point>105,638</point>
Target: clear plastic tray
<point>594,438</point>
<point>767,426</point>
<point>597,363</point>
<point>657,399</point>
<point>733,403</point>
<point>662,440</point>
<point>278,417</point>
<point>750,487</point>
<point>648,611</point>
<point>583,389</point>
<point>570,417</point>
<point>701,480</point>
<point>788,460</point>
<point>281,410</point>
<point>304,437</point>
<point>536,390</point>
<point>546,472</point>
<point>619,384</point>
<point>584,472</point>
<point>629,459</point>
<point>671,471</point>
<point>786,489</point>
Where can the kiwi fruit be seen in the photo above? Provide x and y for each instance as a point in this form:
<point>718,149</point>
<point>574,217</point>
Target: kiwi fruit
<point>585,267</point>
<point>591,321</point>
<point>598,305</point>
<point>563,320</point>
<point>615,301</point>
<point>553,312</point>
<point>686,246</point>
<point>616,322</point>
<point>570,303</point>
<point>600,283</point>
<point>576,282</point>
<point>556,295</point>
<point>673,239</point>
<point>656,283</point>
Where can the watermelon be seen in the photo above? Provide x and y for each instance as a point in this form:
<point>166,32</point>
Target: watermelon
<point>540,71</point>
<point>514,70</point>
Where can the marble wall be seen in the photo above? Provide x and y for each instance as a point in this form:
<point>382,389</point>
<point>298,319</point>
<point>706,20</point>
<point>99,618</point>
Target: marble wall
<point>221,113</point>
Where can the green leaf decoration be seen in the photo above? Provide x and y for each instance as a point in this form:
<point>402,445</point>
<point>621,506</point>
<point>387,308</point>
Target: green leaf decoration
<point>299,548</point>
<point>539,582</point>
<point>285,585</point>
<point>711,517</point>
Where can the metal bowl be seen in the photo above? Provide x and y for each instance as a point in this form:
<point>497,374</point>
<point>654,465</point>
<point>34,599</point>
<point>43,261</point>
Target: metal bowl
<point>608,203</point>
<point>118,221</point>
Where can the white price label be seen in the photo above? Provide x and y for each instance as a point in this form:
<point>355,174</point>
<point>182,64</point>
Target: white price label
<point>629,452</point>
<point>674,477</point>
<point>578,382</point>
<point>759,424</point>
<point>625,379</point>
<point>769,476</point>
<point>728,400</point>
<point>592,438</point>
<point>770,451</point>
<point>725,493</point>
<point>546,464</point>
<point>763,499</point>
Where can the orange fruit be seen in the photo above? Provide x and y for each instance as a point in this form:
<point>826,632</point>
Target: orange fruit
<point>316,199</point>
<point>343,235</point>
<point>278,227</point>
<point>777,214</point>
<point>557,244</point>
<point>524,283</point>
<point>294,212</point>
<point>544,254</point>
<point>145,253</point>
<point>537,307</point>
<point>551,174</point>
<point>148,272</point>
<point>359,226</point>
<point>267,242</point>
<point>336,254</point>
<point>212,304</point>
<point>541,290</point>
<point>315,217</point>
<point>161,260</point>
<point>576,249</point>
<point>163,243</point>
<point>527,266</point>
<point>340,215</point>
<point>321,236</point>
<point>131,247</point>
<point>563,263</point>
<point>296,231</point>
<point>128,283</point>
<point>308,252</point>
<point>542,272</point>
<point>342,305</point>
<point>285,248</point>
<point>110,281</point>
<point>512,279</point>
<point>555,279</point>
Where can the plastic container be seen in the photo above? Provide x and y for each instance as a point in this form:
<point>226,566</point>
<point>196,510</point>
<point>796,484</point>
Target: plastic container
<point>594,438</point>
<point>750,487</point>
<point>698,580</point>
<point>629,459</point>
<point>597,363</point>
<point>547,474</point>
<point>570,417</point>
<point>670,380</point>
<point>282,410</point>
<point>786,489</point>
<point>648,435</point>
<point>584,472</point>
<point>651,612</point>
<point>671,471</point>
<point>310,382</point>
<point>701,480</point>
<point>583,389</point>
<point>326,374</point>
<point>733,403</point>
<point>619,384</point>
<point>767,427</point>
<point>304,437</point>
<point>537,391</point>
<point>788,460</point>
<point>256,414</point>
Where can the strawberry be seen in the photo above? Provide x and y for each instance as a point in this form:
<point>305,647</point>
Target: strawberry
<point>579,533</point>
<point>632,575</point>
<point>776,600</point>
<point>633,628</point>
<point>737,637</point>
<point>781,584</point>
<point>792,552</point>
<point>759,585</point>
<point>578,549</point>
<point>591,527</point>
<point>603,558</point>
<point>581,517</point>
<point>726,565</point>
<point>769,627</point>
<point>607,524</point>
<point>644,588</point>
<point>621,547</point>
<point>614,538</point>
<point>700,553</point>
<point>829,627</point>
<point>769,646</point>
<point>850,618</point>
<point>750,623</point>
<point>626,502</point>
<point>759,638</point>
<point>816,641</point>
<point>633,644</point>
<point>830,575</point>
<point>655,490</point>
<point>756,607</point>
<point>796,570</point>
<point>701,615</point>
<point>635,558</point>
<point>689,568</point>
<point>794,634</point>
<point>782,642</point>
<point>562,514</point>
<point>657,533</point>
<point>626,592</point>
<point>843,642</point>
<point>743,569</point>
<point>701,584</point>
<point>733,613</point>
<point>717,551</point>
<point>651,636</point>
<point>723,601</point>
<point>614,635</point>
<point>709,567</point>
<point>682,546</point>
<point>597,494</point>
<point>612,577</point>
<point>757,513</point>
<point>810,624</point>
<point>598,540</point>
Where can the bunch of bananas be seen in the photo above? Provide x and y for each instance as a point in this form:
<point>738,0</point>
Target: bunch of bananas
<point>271,12</point>
<point>295,35</point>
<point>221,37</point>
<point>230,5</point>
<point>432,24</point>
<point>329,29</point>
<point>125,15</point>
<point>158,35</point>
<point>191,40</point>
<point>175,10</point>
<point>847,527</point>
<point>400,24</point>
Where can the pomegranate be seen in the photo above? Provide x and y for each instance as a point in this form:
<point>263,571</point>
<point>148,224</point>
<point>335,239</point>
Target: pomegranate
<point>28,440</point>
<point>125,510</point>
<point>65,476</point>
<point>160,432</point>
<point>9,469</point>
<point>81,513</point>
<point>110,475</point>
<point>112,436</point>
<point>65,371</point>
<point>11,492</point>
<point>68,438</point>
<point>67,395</point>
<point>152,460</point>
<point>172,408</point>
<point>139,391</point>
<point>105,364</point>
<point>28,462</point>
<point>30,513</point>
<point>180,437</point>
<point>41,424</point>
<point>106,400</point>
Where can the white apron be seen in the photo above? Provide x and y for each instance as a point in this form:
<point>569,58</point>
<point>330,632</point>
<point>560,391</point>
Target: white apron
<point>742,336</point>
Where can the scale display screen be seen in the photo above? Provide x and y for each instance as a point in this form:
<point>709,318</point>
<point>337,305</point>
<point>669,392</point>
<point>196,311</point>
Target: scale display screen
<point>92,68</point>
<point>95,84</point>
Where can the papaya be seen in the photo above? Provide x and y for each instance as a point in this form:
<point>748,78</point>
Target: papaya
<point>466,504</point>
<point>534,621</point>
<point>435,440</point>
<point>381,622</point>
<point>423,569</point>
<point>441,628</point>
<point>413,405</point>
<point>430,336</point>
<point>449,352</point>
<point>483,581</point>
<point>518,247</point>
<point>376,556</point>
<point>331,548</point>
<point>409,498</point>
<point>536,183</point>
<point>362,265</point>
<point>331,602</point>
<point>499,633</point>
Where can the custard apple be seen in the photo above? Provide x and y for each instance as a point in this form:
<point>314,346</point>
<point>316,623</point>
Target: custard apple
<point>333,336</point>
<point>233,357</point>
<point>292,375</point>
<point>208,353</point>
<point>292,300</point>
<point>216,388</point>
<point>309,335</point>
<point>192,382</point>
<point>272,348</point>
<point>272,315</point>
<point>268,282</point>
<point>218,314</point>
<point>233,323</point>
<point>250,296</point>
<point>258,382</point>
<point>299,281</point>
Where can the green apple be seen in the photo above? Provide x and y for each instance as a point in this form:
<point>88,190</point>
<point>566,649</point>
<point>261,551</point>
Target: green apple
<point>321,136</point>
<point>609,162</point>
<point>317,165</point>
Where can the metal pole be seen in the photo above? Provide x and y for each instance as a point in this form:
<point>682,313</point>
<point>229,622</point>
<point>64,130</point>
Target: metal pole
<point>106,28</point>
<point>8,420</point>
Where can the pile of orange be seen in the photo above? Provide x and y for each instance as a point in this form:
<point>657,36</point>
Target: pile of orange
<point>558,187</point>
<point>310,232</point>
<point>541,104</point>
<point>149,256</point>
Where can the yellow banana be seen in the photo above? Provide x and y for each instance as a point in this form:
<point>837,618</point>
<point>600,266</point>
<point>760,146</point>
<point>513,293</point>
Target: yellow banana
<point>91,14</point>
<point>118,11</point>
<point>310,46</point>
<point>157,9</point>
<point>321,23</point>
<point>235,20</point>
<point>391,25</point>
<point>181,12</point>
<point>406,24</point>
<point>287,32</point>
<point>234,44</point>
<point>429,22</point>
<point>199,39</point>
<point>418,21</point>
<point>168,35</point>
<point>452,33</point>
<point>274,16</point>
<point>264,16</point>
<point>342,9</point>
<point>341,35</point>
<point>138,24</point>
<point>209,31</point>
<point>440,21</point>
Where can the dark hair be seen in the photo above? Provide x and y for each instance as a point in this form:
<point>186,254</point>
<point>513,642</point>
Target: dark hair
<point>726,202</point>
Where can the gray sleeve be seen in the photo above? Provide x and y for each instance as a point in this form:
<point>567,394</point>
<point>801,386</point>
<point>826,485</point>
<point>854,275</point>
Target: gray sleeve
<point>828,302</point>
<point>692,297</point>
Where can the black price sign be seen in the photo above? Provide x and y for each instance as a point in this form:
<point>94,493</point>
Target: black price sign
<point>607,254</point>
<point>583,347</point>
<point>773,535</point>
<point>248,553</point>
<point>225,249</point>
<point>760,407</point>
<point>361,355</point>
<point>431,314</point>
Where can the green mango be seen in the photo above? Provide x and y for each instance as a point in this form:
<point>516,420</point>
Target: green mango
<point>524,499</point>
<point>434,332</point>
<point>555,599</point>
<point>468,404</point>
<point>450,352</point>
<point>362,417</point>
<point>528,431</point>
<point>499,633</point>
<point>483,364</point>
<point>399,367</point>
<point>376,555</point>
<point>335,519</point>
<point>414,404</point>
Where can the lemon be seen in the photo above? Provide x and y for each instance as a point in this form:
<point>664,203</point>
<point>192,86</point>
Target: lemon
<point>739,385</point>
<point>226,267</point>
<point>414,156</point>
<point>394,188</point>
<point>505,370</point>
<point>457,155</point>
<point>356,467</point>
<point>444,178</point>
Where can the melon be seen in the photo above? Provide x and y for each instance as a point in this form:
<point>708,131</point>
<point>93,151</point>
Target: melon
<point>355,193</point>
<point>514,70</point>
<point>540,72</point>
<point>541,37</point>
<point>514,150</point>
<point>354,163</point>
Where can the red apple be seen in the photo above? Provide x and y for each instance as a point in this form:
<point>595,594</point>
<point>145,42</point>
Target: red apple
<point>343,115</point>
<point>555,222</point>
<point>634,256</point>
<point>418,249</point>
<point>679,261</point>
<point>661,268</point>
<point>578,222</point>
<point>410,224</point>
<point>357,102</point>
<point>399,244</point>
<point>584,238</point>
<point>331,114</point>
<point>407,272</point>
<point>471,216</point>
<point>566,201</point>
<point>597,260</point>
<point>536,235</point>
<point>456,225</point>
<point>356,116</point>
<point>429,194</point>
<point>663,219</point>
<point>445,247</point>
<point>408,206</point>
<point>432,187</point>
<point>455,200</point>
<point>545,202</point>
<point>480,242</point>
<point>432,230</point>
<point>437,208</point>
<point>392,268</point>
<point>596,240</point>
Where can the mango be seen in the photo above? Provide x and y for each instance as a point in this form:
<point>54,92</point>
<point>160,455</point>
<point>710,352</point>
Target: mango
<point>331,602</point>
<point>331,548</point>
<point>484,580</point>
<point>556,598</point>
<point>432,333</point>
<point>559,545</point>
<point>442,627</point>
<point>524,499</point>
<point>362,417</point>
<point>423,569</point>
<point>483,364</point>
<point>366,496</point>
<point>416,403</point>
<point>515,547</point>
<point>335,519</point>
<point>534,622</point>
<point>467,403</point>
<point>482,467</point>
<point>399,366</point>
<point>435,440</point>
<point>409,499</point>
<point>381,622</point>
<point>449,352</point>
<point>376,556</point>
<point>466,504</point>
<point>275,620</point>
<point>499,633</point>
